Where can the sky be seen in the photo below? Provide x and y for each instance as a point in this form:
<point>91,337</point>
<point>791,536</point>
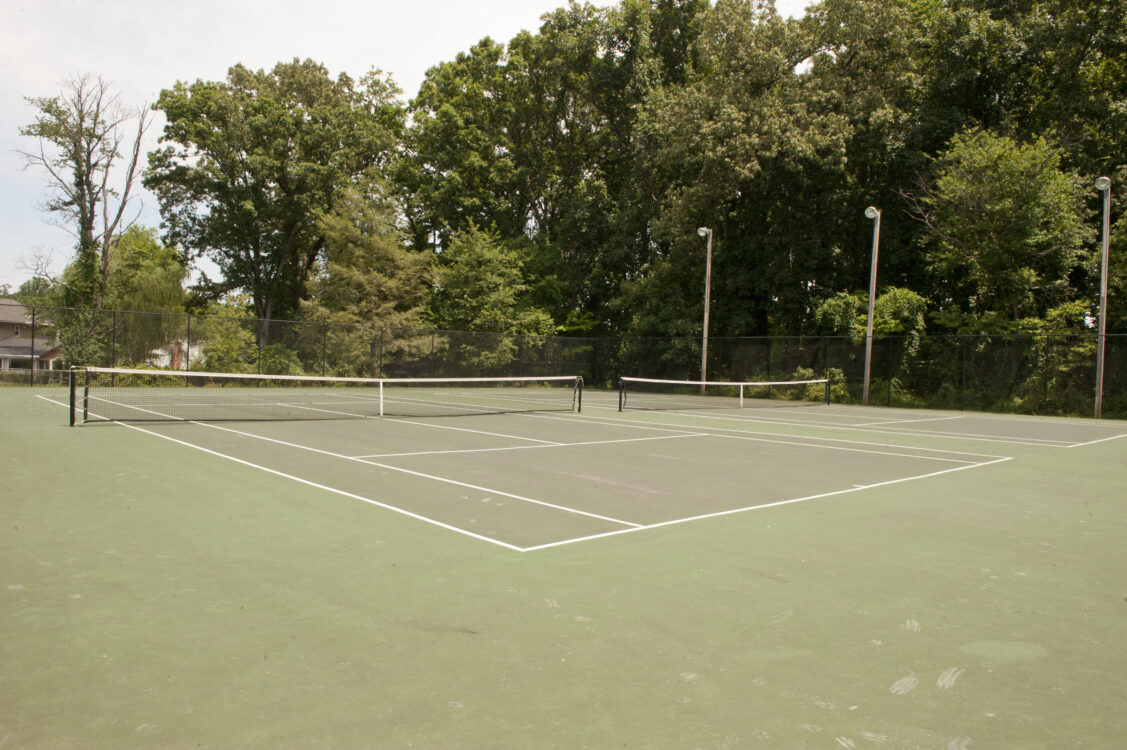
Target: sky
<point>143,46</point>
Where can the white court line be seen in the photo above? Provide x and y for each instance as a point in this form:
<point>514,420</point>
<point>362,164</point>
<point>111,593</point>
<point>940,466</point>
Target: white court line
<point>629,424</point>
<point>534,447</point>
<point>419,474</point>
<point>315,485</point>
<point>384,466</point>
<point>467,429</point>
<point>632,527</point>
<point>427,424</point>
<point>754,507</point>
<point>1093,442</point>
<point>905,421</point>
<point>844,411</point>
<point>852,450</point>
<point>717,431</point>
<point>946,435</point>
<point>851,411</point>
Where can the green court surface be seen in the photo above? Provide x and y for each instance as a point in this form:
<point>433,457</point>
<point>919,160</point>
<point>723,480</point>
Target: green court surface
<point>823,577</point>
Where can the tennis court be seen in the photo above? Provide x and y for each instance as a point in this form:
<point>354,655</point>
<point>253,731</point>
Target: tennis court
<point>826,576</point>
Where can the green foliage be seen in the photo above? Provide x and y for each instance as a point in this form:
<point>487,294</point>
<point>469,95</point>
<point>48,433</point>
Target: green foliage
<point>146,277</point>
<point>593,148</point>
<point>226,338</point>
<point>256,160</point>
<point>37,291</point>
<point>87,336</point>
<point>1006,227</point>
<point>279,359</point>
<point>479,287</point>
<point>896,312</point>
<point>367,277</point>
<point>538,139</point>
<point>844,314</point>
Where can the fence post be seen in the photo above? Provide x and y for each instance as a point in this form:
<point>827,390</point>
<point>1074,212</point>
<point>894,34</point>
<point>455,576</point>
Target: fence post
<point>1045,373</point>
<point>595,363</point>
<point>962,373</point>
<point>888,353</point>
<point>188,345</point>
<point>31,370</point>
<point>324,347</point>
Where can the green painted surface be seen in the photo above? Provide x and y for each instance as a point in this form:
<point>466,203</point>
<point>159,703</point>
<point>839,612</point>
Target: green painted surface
<point>156,596</point>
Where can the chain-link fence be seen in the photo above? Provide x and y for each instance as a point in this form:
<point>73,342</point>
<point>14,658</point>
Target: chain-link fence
<point>1033,374</point>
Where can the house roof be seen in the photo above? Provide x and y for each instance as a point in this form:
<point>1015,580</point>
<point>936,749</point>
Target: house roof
<point>12,311</point>
<point>19,347</point>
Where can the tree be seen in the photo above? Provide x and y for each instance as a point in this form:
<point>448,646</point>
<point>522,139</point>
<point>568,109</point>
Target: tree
<point>745,149</point>
<point>538,139</point>
<point>367,279</point>
<point>146,279</point>
<point>37,290</point>
<point>253,162</point>
<point>224,338</point>
<point>896,312</point>
<point>479,287</point>
<point>87,141</point>
<point>145,275</point>
<point>459,165</point>
<point>1006,229</point>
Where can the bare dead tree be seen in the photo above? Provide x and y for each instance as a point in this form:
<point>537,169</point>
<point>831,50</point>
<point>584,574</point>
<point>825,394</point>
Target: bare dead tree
<point>89,146</point>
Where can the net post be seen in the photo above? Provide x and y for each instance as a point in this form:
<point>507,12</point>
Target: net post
<point>828,382</point>
<point>621,393</point>
<point>70,386</point>
<point>741,395</point>
<point>381,398</point>
<point>579,394</point>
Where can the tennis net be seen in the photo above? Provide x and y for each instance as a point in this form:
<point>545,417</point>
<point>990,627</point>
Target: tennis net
<point>122,395</point>
<point>670,395</point>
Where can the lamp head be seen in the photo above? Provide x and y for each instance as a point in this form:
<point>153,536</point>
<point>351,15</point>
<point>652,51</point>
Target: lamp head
<point>703,231</point>
<point>1103,183</point>
<point>872,212</point>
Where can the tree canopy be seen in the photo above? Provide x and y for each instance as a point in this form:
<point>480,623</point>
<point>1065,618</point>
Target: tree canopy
<point>555,182</point>
<point>251,163</point>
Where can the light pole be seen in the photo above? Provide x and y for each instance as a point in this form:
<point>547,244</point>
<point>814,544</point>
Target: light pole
<point>706,232</point>
<point>872,213</point>
<point>1103,184</point>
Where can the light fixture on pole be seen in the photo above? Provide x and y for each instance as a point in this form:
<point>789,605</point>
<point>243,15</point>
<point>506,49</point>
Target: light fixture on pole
<point>873,214</point>
<point>1103,184</point>
<point>706,232</point>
